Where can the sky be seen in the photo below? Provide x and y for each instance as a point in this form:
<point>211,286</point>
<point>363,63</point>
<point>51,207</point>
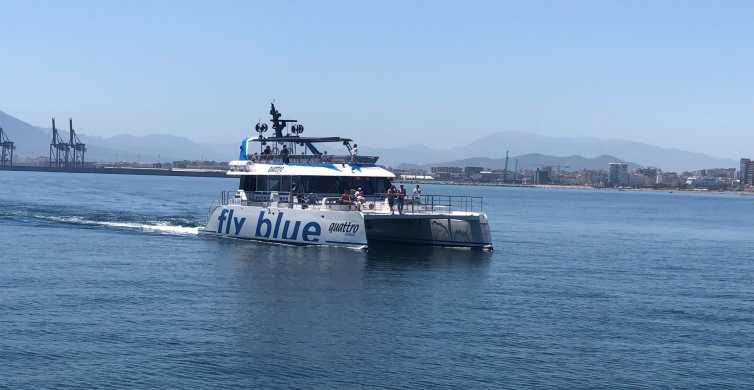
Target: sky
<point>670,73</point>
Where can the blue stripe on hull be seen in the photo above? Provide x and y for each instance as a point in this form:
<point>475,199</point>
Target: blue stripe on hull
<point>359,244</point>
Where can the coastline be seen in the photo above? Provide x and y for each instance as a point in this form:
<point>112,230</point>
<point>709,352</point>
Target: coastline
<point>578,187</point>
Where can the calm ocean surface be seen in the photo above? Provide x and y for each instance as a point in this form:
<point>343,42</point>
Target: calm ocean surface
<point>104,283</point>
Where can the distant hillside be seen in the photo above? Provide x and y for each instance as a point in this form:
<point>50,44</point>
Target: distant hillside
<point>162,147</point>
<point>535,160</point>
<point>29,140</point>
<point>33,141</point>
<point>495,145</point>
<point>641,153</point>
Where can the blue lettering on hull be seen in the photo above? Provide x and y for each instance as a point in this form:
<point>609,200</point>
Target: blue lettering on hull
<point>281,229</point>
<point>231,220</point>
<point>278,228</point>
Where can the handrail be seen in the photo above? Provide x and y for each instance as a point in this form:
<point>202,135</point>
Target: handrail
<point>424,204</point>
<point>308,158</point>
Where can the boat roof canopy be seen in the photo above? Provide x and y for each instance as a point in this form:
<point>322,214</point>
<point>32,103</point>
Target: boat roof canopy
<point>297,139</point>
<point>249,168</point>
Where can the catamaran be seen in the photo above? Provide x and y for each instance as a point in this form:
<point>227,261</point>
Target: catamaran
<point>292,191</point>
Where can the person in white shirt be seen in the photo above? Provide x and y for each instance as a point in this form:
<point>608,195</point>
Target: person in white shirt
<point>360,199</point>
<point>417,194</point>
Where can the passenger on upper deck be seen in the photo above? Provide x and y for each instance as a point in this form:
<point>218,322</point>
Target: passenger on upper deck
<point>284,153</point>
<point>267,150</point>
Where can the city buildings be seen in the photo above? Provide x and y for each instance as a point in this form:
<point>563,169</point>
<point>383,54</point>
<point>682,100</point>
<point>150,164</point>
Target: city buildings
<point>447,173</point>
<point>543,176</point>
<point>472,171</point>
<point>644,177</point>
<point>668,179</point>
<point>746,172</point>
<point>618,175</point>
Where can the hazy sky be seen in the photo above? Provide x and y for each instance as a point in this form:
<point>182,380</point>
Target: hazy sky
<point>674,73</point>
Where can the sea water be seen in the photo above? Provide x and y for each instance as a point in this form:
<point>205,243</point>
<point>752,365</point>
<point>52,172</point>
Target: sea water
<point>105,283</point>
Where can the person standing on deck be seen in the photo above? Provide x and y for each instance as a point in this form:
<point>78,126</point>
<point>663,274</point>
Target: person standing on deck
<point>360,199</point>
<point>391,197</point>
<point>401,199</point>
<point>417,194</point>
<point>346,199</point>
<point>293,195</point>
<point>284,153</point>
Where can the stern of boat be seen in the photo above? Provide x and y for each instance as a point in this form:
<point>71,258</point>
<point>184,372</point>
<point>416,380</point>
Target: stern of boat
<point>447,221</point>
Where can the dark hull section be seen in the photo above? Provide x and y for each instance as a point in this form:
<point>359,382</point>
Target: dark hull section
<point>468,231</point>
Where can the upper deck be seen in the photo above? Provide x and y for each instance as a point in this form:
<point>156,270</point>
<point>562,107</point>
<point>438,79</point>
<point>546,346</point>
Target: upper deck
<point>313,159</point>
<point>311,168</point>
<point>288,153</point>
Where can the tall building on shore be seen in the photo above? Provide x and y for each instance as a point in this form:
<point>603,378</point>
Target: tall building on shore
<point>746,172</point>
<point>447,173</point>
<point>618,175</point>
<point>472,171</point>
<point>543,176</point>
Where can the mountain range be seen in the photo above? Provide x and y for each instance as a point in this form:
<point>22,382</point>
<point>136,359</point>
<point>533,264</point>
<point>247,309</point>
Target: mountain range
<point>495,145</point>
<point>34,141</point>
<point>532,150</point>
<point>536,160</point>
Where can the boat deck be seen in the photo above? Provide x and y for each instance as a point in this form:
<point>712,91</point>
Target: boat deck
<point>375,205</point>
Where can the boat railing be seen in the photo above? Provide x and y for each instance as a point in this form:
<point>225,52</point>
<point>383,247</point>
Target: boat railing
<point>313,158</point>
<point>446,203</point>
<point>374,203</point>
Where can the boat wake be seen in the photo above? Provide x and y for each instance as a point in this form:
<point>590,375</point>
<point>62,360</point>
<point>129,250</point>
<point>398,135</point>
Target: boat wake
<point>41,215</point>
<point>162,227</point>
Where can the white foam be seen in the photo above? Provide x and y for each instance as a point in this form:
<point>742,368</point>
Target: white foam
<point>158,227</point>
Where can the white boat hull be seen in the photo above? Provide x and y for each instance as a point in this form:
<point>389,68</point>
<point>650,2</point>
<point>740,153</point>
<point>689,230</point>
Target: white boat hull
<point>288,225</point>
<point>347,228</point>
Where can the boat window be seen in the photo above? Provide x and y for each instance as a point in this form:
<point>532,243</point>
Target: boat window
<point>315,184</point>
<point>248,183</point>
<point>285,184</point>
<point>261,183</point>
<point>273,183</point>
<point>319,184</point>
<point>370,185</point>
<point>296,180</point>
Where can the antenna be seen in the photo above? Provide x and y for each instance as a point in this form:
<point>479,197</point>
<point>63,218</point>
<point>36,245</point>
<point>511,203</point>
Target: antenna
<point>277,123</point>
